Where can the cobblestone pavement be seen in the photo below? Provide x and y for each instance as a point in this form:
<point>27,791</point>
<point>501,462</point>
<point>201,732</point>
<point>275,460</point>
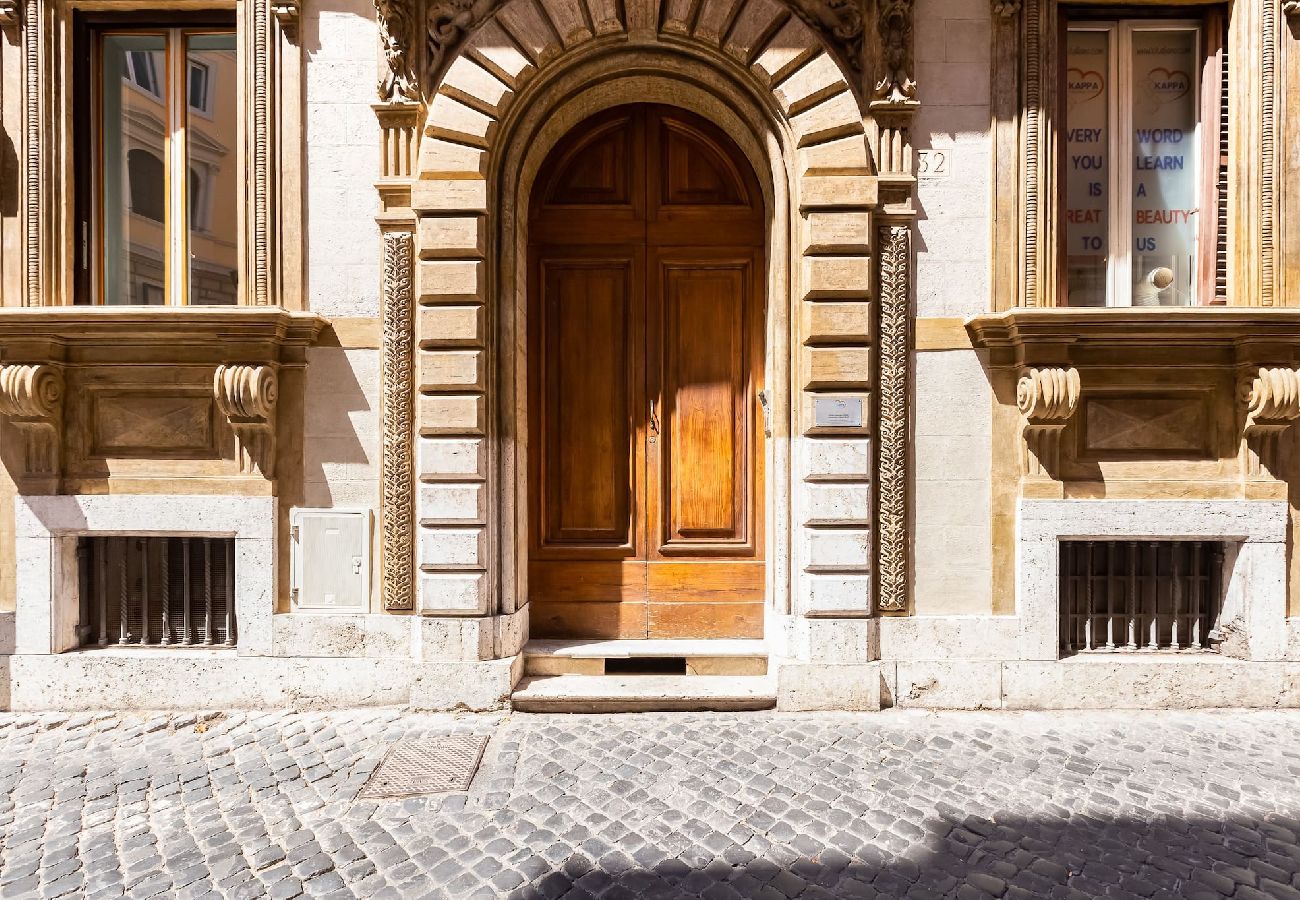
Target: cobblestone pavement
<point>715,806</point>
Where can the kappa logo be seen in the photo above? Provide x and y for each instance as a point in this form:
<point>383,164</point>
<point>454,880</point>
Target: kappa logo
<point>1169,84</point>
<point>1084,85</point>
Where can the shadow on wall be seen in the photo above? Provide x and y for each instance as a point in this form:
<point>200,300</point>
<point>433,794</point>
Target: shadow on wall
<point>340,424</point>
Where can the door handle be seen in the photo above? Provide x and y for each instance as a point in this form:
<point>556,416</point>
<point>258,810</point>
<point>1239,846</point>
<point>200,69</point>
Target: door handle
<point>654,419</point>
<point>765,401</point>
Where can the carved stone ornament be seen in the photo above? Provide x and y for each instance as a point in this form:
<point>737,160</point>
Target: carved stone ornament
<point>246,396</point>
<point>10,11</point>
<point>1272,399</point>
<point>448,23</point>
<point>32,397</point>
<point>1047,398</point>
<point>1291,9</point>
<point>895,262</point>
<point>838,22</point>
<point>1006,9</point>
<point>894,22</point>
<point>397,500</point>
<point>397,34</point>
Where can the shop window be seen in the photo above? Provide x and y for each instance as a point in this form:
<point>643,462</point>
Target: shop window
<point>164,107</point>
<point>1143,162</point>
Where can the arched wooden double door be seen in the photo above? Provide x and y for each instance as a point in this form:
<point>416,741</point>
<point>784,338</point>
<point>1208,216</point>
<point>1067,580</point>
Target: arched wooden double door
<point>646,274</point>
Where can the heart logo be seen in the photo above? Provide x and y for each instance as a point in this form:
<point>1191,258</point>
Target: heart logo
<point>1083,85</point>
<point>1169,84</point>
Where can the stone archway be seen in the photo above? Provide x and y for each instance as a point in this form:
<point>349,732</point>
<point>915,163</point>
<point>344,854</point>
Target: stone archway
<point>496,100</point>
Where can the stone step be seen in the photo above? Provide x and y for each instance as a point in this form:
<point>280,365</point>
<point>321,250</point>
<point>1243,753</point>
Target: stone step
<point>643,693</point>
<point>694,657</point>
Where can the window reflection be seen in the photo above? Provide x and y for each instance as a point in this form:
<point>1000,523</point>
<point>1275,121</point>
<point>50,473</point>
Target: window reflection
<point>212,189</point>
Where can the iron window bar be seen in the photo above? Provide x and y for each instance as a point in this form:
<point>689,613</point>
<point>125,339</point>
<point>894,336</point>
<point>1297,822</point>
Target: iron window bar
<point>145,591</point>
<point>1148,596</point>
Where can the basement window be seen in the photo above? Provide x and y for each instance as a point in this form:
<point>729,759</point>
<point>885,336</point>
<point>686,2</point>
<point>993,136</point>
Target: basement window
<point>1139,595</point>
<point>141,591</point>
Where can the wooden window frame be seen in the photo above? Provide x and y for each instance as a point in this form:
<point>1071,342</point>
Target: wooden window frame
<point>1120,23</point>
<point>90,32</point>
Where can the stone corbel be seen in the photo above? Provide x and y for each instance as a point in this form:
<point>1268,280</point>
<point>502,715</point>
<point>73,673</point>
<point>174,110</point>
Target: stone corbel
<point>32,397</point>
<point>1047,398</point>
<point>10,13</point>
<point>1272,399</point>
<point>1291,9</point>
<point>1006,9</point>
<point>246,396</point>
<point>287,13</point>
<point>897,82</point>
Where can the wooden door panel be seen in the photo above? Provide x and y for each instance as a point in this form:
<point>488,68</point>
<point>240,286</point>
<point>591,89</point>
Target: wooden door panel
<point>704,476</point>
<point>591,390</point>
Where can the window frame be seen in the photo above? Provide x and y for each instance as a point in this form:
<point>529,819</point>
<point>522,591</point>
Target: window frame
<point>88,187</point>
<point>1209,21</point>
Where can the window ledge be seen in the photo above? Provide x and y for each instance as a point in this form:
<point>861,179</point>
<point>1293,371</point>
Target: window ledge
<point>1241,334</point>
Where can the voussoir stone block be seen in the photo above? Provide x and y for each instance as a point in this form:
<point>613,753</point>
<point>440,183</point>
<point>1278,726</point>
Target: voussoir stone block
<point>453,548</point>
<point>837,276</point>
<point>451,326</point>
<point>824,191</point>
<point>788,49</point>
<point>815,81</point>
<point>496,51</point>
<point>826,322</point>
<point>451,370</point>
<point>451,414</point>
<point>442,503</point>
<point>832,368</point>
<point>456,121</point>
<point>753,21</point>
<point>471,83</point>
<point>451,281</point>
<point>834,117</point>
<point>452,236</point>
<point>452,458</point>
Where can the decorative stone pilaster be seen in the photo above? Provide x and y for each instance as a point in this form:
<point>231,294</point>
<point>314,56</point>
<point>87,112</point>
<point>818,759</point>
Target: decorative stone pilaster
<point>1047,398</point>
<point>1272,399</point>
<point>32,397</point>
<point>895,250</point>
<point>397,476</point>
<point>247,396</point>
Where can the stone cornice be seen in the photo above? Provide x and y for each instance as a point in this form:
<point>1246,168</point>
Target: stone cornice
<point>1054,334</point>
<point>185,334</point>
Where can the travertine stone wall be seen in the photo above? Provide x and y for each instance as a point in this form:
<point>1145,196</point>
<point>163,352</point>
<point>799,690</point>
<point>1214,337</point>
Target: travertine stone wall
<point>952,538</point>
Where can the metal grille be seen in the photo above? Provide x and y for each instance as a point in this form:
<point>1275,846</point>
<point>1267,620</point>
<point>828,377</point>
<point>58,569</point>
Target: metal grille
<point>426,766</point>
<point>157,591</point>
<point>1139,595</point>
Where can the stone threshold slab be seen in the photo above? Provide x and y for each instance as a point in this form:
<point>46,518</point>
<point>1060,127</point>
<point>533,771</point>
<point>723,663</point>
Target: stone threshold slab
<point>646,648</point>
<point>643,693</point>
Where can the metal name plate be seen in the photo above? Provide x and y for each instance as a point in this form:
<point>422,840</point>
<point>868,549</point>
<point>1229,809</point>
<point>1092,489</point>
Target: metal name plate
<point>837,412</point>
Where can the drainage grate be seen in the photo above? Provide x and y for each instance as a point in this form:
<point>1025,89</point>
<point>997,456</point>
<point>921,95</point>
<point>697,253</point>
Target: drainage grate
<point>433,765</point>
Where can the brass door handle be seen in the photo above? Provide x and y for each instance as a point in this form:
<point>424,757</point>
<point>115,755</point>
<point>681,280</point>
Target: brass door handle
<point>654,419</point>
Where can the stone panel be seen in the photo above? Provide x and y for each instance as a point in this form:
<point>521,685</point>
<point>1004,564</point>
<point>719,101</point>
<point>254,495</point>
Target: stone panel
<point>451,326</point>
<point>451,370</point>
<point>442,503</point>
<point>452,458</point>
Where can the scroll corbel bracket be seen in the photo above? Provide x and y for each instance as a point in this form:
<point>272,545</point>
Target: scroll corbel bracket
<point>1291,9</point>
<point>1009,9</point>
<point>1272,399</point>
<point>10,13</point>
<point>1047,398</point>
<point>897,79</point>
<point>246,396</point>
<point>31,396</point>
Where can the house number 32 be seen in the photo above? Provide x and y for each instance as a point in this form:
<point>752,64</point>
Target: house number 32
<point>932,163</point>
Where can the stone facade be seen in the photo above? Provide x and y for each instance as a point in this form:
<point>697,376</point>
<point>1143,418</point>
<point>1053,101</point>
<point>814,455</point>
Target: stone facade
<point>376,359</point>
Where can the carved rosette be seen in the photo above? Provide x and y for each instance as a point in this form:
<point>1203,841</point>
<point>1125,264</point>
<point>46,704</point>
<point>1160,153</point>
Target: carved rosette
<point>1272,399</point>
<point>246,396</point>
<point>1047,398</point>
<point>397,501</point>
<point>32,397</point>
<point>895,261</point>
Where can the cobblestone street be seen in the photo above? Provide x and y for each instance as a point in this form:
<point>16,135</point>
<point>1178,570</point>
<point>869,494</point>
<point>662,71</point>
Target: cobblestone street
<point>1181,805</point>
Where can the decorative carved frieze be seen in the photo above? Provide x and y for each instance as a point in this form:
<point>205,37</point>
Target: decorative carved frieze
<point>397,501</point>
<point>1047,398</point>
<point>895,262</point>
<point>32,397</point>
<point>1272,399</point>
<point>894,23</point>
<point>246,396</point>
<point>398,35</point>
